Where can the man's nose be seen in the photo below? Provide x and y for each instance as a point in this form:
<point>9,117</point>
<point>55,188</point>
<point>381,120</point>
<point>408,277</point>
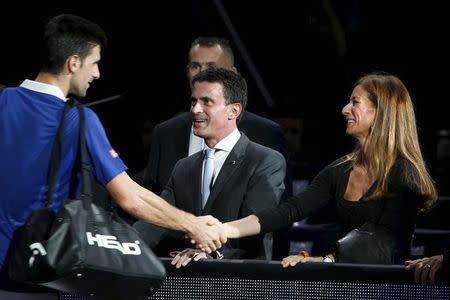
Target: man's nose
<point>196,107</point>
<point>96,73</point>
<point>203,68</point>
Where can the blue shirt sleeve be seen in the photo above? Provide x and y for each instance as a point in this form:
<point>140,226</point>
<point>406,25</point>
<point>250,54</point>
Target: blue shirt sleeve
<point>105,161</point>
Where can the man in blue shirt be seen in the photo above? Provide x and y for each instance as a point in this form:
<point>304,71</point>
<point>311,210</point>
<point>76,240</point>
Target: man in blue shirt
<point>29,117</point>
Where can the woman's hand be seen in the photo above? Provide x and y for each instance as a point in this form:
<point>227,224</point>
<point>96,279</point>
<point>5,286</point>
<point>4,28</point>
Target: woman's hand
<point>425,268</point>
<point>292,260</point>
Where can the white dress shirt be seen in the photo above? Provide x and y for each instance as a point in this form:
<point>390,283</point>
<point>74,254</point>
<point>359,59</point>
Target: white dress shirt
<point>223,149</point>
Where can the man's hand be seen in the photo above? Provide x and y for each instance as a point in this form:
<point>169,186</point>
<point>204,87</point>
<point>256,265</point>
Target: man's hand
<point>208,234</point>
<point>184,257</point>
<point>425,268</point>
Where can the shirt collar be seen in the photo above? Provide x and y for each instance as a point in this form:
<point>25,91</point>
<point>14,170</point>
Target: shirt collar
<point>43,88</point>
<point>227,143</point>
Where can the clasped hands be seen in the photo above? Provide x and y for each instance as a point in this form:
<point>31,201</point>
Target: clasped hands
<point>208,234</point>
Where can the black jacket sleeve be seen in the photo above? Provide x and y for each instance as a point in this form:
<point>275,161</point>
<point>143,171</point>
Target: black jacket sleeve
<point>317,195</point>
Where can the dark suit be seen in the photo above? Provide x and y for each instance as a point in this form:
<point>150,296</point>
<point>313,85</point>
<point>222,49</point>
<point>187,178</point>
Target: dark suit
<point>250,180</point>
<point>170,143</point>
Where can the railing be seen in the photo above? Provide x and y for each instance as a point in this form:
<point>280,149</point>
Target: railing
<point>253,279</point>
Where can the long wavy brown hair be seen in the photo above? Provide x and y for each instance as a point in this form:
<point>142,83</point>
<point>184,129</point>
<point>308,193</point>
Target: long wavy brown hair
<point>393,136</point>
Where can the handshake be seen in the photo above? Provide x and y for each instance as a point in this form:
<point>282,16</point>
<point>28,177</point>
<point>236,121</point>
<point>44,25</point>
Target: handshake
<point>208,233</point>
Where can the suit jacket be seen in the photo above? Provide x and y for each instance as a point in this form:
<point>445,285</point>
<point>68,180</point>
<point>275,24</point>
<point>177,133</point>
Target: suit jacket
<point>250,180</point>
<point>170,143</point>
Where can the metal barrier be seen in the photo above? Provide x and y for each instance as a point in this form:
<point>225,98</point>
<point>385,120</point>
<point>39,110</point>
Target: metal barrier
<point>253,279</point>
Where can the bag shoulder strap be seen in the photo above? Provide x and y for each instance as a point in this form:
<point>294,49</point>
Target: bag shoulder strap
<point>86,187</point>
<point>2,88</point>
<point>86,192</point>
<point>56,154</point>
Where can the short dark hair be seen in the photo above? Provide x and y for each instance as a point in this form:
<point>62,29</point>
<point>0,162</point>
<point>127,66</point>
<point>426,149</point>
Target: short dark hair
<point>66,35</point>
<point>233,84</point>
<point>211,41</point>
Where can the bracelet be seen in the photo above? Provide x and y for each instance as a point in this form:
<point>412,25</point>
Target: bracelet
<point>303,253</point>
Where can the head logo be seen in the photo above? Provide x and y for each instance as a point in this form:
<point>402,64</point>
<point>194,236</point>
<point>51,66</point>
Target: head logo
<point>36,249</point>
<point>110,242</point>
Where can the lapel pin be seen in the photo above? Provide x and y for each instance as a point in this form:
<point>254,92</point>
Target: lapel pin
<point>233,162</point>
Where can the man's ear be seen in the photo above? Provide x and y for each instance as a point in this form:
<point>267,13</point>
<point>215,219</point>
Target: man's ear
<point>73,63</point>
<point>236,110</point>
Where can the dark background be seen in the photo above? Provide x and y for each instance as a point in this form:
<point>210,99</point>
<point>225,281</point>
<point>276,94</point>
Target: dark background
<point>292,44</point>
